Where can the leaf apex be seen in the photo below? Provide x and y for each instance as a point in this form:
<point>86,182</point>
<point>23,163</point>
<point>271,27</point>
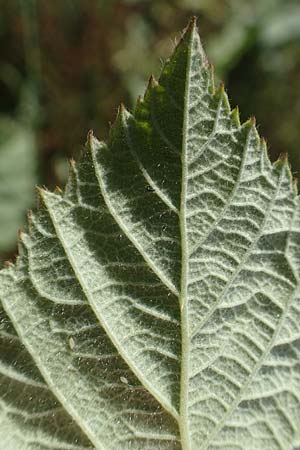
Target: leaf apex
<point>192,25</point>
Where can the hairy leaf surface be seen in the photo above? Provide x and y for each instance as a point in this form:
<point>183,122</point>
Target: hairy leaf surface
<point>158,296</point>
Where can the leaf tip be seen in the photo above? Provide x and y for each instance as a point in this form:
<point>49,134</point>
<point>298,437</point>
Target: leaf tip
<point>192,25</point>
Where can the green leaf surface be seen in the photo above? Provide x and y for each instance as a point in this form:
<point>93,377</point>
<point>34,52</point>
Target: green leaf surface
<point>159,294</point>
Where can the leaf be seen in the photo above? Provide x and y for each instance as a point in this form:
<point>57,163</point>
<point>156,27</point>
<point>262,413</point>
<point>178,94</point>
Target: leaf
<point>17,178</point>
<point>159,294</point>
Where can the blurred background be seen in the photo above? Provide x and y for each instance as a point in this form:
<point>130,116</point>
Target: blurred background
<point>65,66</point>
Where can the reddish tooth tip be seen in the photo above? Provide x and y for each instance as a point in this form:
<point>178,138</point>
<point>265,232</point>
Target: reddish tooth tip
<point>192,23</point>
<point>283,156</point>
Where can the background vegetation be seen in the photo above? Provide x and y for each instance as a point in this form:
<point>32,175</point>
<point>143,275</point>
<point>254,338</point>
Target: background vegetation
<point>66,65</point>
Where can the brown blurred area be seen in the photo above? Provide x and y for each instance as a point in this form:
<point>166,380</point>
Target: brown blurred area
<point>65,66</point>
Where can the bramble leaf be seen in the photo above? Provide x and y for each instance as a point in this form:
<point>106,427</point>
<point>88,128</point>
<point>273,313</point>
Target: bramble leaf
<point>159,294</point>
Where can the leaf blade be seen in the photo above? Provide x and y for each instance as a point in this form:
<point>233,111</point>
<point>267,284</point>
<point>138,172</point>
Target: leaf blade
<point>169,277</point>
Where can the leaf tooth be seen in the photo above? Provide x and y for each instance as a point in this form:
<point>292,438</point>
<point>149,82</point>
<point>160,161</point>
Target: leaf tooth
<point>282,165</point>
<point>251,124</point>
<point>235,116</point>
<point>22,236</point>
<point>71,182</point>
<point>39,200</point>
<point>122,115</point>
<point>221,93</point>
<point>282,159</point>
<point>264,154</point>
<point>263,143</point>
<point>123,112</point>
<point>220,90</point>
<point>72,164</point>
<point>114,132</point>
<point>286,166</point>
<point>93,142</point>
<point>40,193</point>
<point>152,84</point>
<point>58,190</point>
<point>252,120</point>
<point>89,137</point>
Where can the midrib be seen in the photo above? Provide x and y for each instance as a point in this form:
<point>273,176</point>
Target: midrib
<point>184,381</point>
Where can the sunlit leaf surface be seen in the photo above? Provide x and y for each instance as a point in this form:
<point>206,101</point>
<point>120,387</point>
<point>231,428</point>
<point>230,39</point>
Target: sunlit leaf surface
<point>159,294</point>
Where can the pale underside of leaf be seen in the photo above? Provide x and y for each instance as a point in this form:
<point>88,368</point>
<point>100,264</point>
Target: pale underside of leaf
<point>159,295</point>
<point>31,418</point>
